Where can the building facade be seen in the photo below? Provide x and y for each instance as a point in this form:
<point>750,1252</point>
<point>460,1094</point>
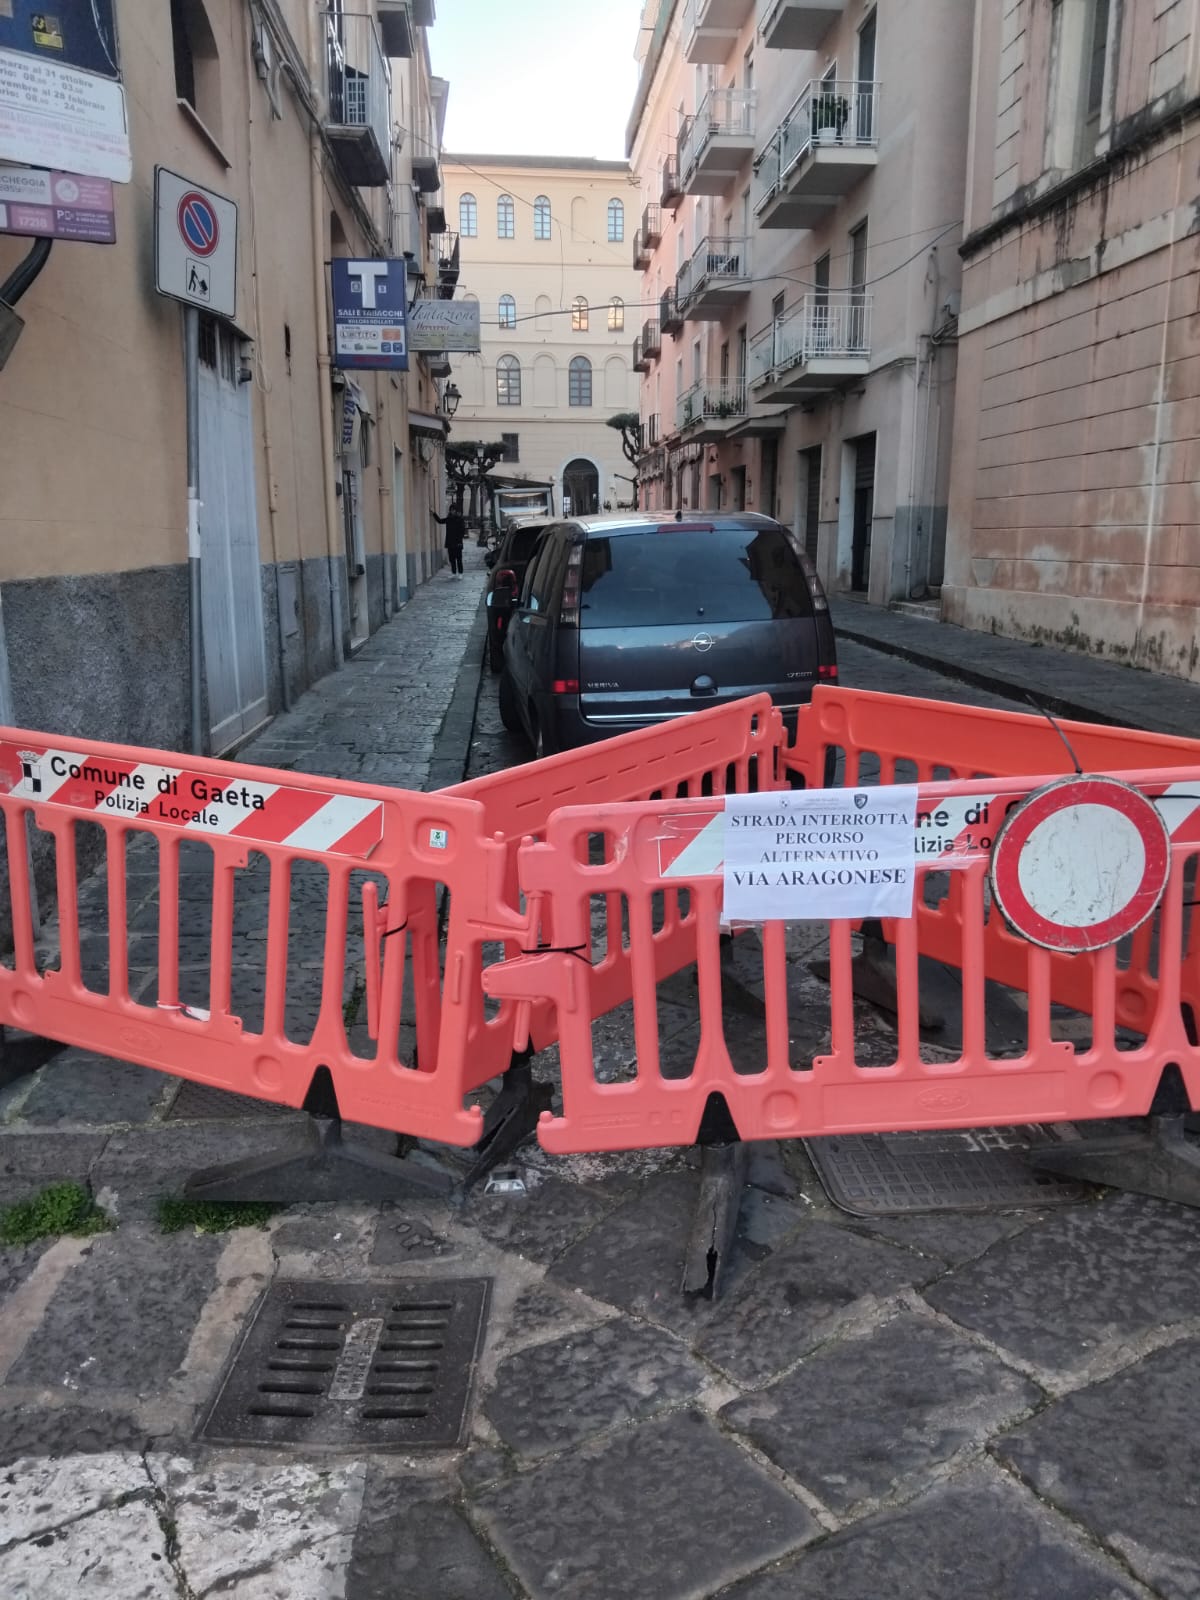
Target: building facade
<point>801,166</point>
<point>546,250</point>
<point>322,125</point>
<point>1075,511</point>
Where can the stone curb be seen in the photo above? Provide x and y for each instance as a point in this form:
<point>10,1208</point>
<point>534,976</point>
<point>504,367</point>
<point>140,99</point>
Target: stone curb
<point>452,745</point>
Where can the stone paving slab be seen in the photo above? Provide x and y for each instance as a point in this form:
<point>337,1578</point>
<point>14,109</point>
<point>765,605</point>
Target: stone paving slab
<point>409,1543</point>
<point>800,1297</point>
<point>1088,1282</point>
<point>977,1538</point>
<point>570,1389</point>
<point>79,1087</point>
<point>119,1552</point>
<point>669,1509</point>
<point>867,1417</point>
<point>123,1316</point>
<point>1123,1459</point>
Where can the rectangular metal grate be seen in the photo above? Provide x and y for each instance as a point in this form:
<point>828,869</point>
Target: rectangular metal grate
<point>975,1169</point>
<point>354,1366</point>
<point>199,1102</point>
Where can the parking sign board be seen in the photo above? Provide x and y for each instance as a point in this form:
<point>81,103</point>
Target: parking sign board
<point>195,244</point>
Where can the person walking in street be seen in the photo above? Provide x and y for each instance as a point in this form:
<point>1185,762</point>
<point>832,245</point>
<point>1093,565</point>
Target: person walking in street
<point>455,525</point>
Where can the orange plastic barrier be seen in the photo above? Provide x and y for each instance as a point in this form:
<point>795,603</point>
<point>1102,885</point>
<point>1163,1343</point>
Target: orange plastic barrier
<point>656,852</point>
<point>329,851</point>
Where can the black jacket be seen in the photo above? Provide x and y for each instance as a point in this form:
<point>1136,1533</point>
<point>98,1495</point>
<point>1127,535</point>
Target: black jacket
<point>455,525</point>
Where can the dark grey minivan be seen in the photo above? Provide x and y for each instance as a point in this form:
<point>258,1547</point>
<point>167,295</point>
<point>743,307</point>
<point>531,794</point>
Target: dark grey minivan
<point>627,620</point>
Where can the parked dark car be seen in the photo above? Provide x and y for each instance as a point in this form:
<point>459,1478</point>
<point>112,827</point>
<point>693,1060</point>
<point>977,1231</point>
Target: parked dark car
<point>508,576</point>
<point>627,620</point>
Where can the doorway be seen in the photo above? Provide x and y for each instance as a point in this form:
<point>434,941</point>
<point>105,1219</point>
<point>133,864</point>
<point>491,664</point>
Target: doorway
<point>768,472</point>
<point>864,512</point>
<point>808,499</point>
<point>581,487</point>
<point>235,664</point>
<point>737,488</point>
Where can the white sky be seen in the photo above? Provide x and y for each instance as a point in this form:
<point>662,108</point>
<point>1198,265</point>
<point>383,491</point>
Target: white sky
<point>537,77</point>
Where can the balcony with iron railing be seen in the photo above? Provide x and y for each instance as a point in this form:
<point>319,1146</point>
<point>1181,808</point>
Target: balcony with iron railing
<point>717,142</point>
<point>798,24</point>
<point>641,361</point>
<point>671,194</point>
<point>650,431</point>
<point>708,410</point>
<point>444,261</point>
<point>651,339</point>
<point>825,145</point>
<point>426,164</point>
<point>670,319</point>
<point>358,97</point>
<point>711,28</point>
<point>642,254</point>
<point>716,278</point>
<point>820,342</point>
<point>652,225</point>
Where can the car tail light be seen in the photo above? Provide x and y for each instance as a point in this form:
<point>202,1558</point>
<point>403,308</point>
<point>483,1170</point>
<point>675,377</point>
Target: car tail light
<point>827,674</point>
<point>568,616</point>
<point>565,686</point>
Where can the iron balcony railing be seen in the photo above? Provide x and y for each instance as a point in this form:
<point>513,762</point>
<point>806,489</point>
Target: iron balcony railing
<point>641,252</point>
<point>708,402</point>
<point>358,84</point>
<point>722,113</point>
<point>444,256</point>
<point>671,193</point>
<point>669,318</point>
<point>651,338</point>
<point>650,431</point>
<point>717,262</point>
<point>652,224</point>
<point>829,111</point>
<point>824,325</point>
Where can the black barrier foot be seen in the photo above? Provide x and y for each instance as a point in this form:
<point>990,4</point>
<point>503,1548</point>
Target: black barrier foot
<point>511,1118</point>
<point>314,1163</point>
<point>1162,1160</point>
<point>715,1219</point>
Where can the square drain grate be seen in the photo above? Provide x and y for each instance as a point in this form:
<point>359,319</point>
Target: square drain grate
<point>200,1102</point>
<point>363,1366</point>
<point>973,1169</point>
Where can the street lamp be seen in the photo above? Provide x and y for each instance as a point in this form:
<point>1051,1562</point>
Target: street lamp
<point>450,400</point>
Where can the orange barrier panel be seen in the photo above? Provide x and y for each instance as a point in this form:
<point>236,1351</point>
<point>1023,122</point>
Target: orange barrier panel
<point>319,847</point>
<point>726,749</point>
<point>775,1095</point>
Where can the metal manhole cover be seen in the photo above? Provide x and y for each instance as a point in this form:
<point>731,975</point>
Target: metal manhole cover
<point>363,1366</point>
<point>887,1175</point>
<point>201,1102</point>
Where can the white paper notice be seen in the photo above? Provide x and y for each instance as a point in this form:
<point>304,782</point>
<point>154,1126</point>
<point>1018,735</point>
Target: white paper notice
<point>816,854</point>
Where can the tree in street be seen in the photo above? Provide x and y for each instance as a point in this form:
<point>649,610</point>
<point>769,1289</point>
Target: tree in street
<point>629,425</point>
<point>468,462</point>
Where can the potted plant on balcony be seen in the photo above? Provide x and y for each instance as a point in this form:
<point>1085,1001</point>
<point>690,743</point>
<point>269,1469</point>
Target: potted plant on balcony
<point>830,113</point>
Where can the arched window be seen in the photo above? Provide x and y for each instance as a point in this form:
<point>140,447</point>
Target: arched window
<point>579,381</point>
<point>508,311</point>
<point>506,218</point>
<point>468,217</point>
<point>541,217</point>
<point>616,222</point>
<point>579,315</point>
<point>616,315</point>
<point>508,381</point>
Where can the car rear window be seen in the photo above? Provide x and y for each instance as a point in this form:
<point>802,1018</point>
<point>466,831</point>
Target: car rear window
<point>726,575</point>
<point>521,543</point>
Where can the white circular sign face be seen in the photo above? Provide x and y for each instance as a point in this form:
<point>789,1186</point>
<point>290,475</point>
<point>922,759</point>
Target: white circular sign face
<point>1081,863</point>
<point>1082,866</point>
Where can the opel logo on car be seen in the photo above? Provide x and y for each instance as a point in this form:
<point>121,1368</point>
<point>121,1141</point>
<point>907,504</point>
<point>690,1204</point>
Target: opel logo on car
<point>703,642</point>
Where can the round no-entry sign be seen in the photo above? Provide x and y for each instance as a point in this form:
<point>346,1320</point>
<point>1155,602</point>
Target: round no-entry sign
<point>1080,864</point>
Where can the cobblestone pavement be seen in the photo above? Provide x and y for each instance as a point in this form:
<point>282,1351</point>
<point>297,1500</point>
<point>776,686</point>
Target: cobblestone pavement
<point>992,1406</point>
